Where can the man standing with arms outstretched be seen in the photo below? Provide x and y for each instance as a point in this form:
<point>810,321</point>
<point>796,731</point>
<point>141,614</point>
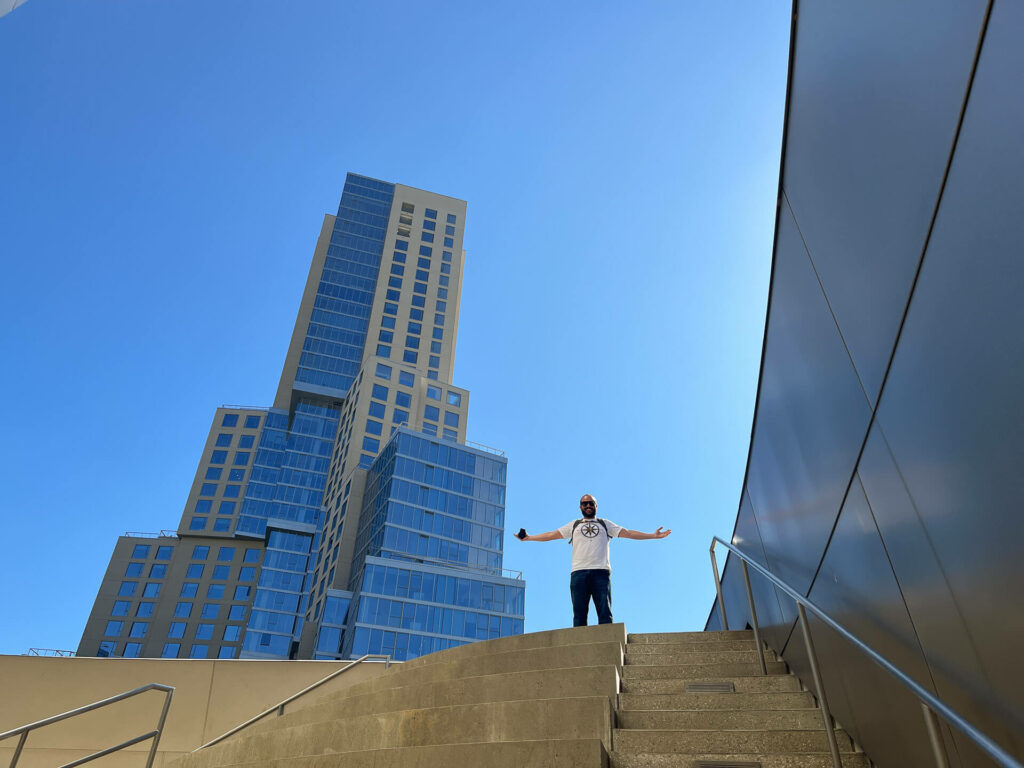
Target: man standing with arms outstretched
<point>591,567</point>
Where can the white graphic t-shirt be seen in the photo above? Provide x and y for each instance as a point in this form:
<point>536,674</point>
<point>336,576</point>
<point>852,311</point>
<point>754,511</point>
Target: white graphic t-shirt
<point>590,543</point>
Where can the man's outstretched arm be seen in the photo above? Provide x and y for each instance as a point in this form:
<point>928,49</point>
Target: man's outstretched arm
<point>549,536</point>
<point>625,533</point>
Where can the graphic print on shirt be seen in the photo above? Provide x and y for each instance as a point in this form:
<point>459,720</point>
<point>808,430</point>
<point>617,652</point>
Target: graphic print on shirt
<point>590,530</point>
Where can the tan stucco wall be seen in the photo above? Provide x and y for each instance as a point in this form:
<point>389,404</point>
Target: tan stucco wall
<point>210,698</point>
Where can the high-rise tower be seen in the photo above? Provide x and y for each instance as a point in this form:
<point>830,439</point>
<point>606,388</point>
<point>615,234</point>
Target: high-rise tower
<point>351,514</point>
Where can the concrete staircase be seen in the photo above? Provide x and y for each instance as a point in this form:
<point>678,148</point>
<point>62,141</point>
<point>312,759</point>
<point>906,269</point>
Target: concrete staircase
<point>699,700</point>
<point>553,699</point>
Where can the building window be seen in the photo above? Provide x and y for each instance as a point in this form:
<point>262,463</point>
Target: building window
<point>208,489</point>
<point>252,555</point>
<point>189,589</point>
<point>246,441</point>
<point>170,651</point>
<point>200,552</point>
<point>241,458</point>
<point>241,593</point>
<point>383,371</point>
<point>449,242</point>
<point>226,554</point>
<point>236,613</point>
<point>425,250</point>
<point>451,218</point>
<point>177,629</point>
<point>204,632</point>
<point>114,628</point>
<point>194,571</point>
<point>197,524</point>
<point>427,237</point>
<point>374,427</point>
<point>221,572</point>
<point>132,650</point>
<point>139,629</point>
<point>120,608</point>
<point>182,610</point>
<point>141,552</point>
<point>434,361</point>
<point>400,417</point>
<point>383,350</point>
<point>127,588</point>
<point>376,409</point>
<point>430,213</point>
<point>431,413</point>
<point>252,422</point>
<point>226,508</point>
<point>106,649</point>
<point>213,473</point>
<point>218,457</point>
<point>229,420</point>
<point>379,393</point>
<point>152,589</point>
<point>232,491</point>
<point>247,574</point>
<point>133,570</point>
<point>402,245</point>
<point>370,444</point>
<point>226,652</point>
<point>145,610</point>
<point>410,356</point>
<point>406,379</point>
<point>215,592</point>
<point>449,230</point>
<point>198,652</point>
<point>224,439</point>
<point>232,632</point>
<point>210,611</point>
<point>434,393</point>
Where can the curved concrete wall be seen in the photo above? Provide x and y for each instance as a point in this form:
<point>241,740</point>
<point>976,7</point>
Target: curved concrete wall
<point>884,477</point>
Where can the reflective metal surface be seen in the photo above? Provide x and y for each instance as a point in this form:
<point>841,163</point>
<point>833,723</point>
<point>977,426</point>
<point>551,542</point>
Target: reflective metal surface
<point>875,95</point>
<point>886,471</point>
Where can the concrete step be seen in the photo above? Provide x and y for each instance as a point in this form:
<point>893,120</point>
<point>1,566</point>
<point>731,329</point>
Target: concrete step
<point>689,637</point>
<point>756,683</point>
<point>570,718</point>
<point>694,671</point>
<point>553,753</point>
<point>726,742</point>
<point>714,701</point>
<point>710,656</point>
<point>718,645</point>
<point>573,636</point>
<point>804,760</point>
<point>508,686</point>
<point>728,719</point>
<point>555,657</point>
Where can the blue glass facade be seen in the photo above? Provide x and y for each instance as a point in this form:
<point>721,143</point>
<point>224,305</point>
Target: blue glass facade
<point>333,348</point>
<point>427,571</point>
<point>282,504</point>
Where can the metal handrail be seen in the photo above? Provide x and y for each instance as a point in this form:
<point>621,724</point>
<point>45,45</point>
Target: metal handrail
<point>155,735</point>
<point>930,704</point>
<point>279,707</point>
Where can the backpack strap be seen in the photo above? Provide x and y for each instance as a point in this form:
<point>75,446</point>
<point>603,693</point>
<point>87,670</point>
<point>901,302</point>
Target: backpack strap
<point>576,524</point>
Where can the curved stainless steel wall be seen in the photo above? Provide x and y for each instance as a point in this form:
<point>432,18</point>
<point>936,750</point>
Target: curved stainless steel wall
<point>884,478</point>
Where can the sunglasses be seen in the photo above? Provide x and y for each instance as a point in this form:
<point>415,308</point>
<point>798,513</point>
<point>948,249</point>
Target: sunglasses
<point>587,504</point>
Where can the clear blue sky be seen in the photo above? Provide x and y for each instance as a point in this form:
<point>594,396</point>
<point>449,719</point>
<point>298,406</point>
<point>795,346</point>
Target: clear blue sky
<point>164,169</point>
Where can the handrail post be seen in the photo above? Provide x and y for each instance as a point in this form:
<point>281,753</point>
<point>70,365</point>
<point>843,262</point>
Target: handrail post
<point>753,619</point>
<point>718,588</point>
<point>159,728</point>
<point>17,749</point>
<point>935,736</point>
<point>819,686</point>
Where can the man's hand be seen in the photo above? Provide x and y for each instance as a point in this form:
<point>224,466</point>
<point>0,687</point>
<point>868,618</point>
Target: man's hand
<point>522,534</point>
<point>660,534</point>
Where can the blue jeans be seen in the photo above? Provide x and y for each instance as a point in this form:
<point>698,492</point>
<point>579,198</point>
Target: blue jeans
<point>593,583</point>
